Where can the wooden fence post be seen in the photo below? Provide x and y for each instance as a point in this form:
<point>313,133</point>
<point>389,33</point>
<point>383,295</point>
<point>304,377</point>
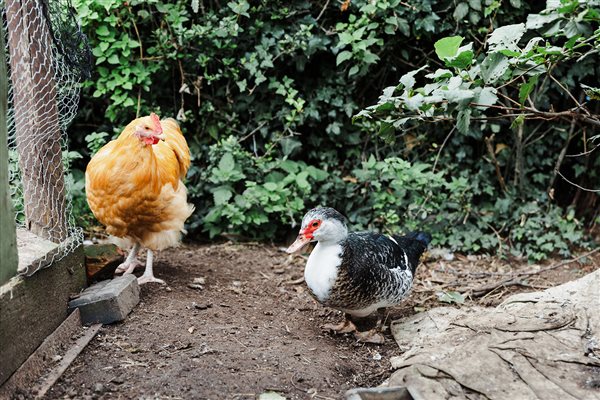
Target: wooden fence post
<point>8,241</point>
<point>37,129</point>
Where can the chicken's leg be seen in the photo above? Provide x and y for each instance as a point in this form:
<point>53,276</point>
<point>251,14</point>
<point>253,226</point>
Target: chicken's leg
<point>148,274</point>
<point>131,263</point>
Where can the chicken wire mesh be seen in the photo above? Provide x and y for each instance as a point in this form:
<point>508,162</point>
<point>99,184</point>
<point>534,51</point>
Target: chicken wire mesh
<point>47,59</point>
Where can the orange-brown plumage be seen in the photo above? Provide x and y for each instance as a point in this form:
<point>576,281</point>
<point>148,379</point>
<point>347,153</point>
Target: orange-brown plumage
<point>134,187</point>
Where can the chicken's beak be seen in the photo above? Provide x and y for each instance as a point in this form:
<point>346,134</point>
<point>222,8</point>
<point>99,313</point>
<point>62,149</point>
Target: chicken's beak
<point>162,137</point>
<point>300,242</point>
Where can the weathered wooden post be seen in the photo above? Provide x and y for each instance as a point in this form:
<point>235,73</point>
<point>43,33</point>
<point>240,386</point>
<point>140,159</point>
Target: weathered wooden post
<point>8,241</point>
<point>38,134</point>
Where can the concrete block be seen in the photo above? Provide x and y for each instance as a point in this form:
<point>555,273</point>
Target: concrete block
<point>108,301</point>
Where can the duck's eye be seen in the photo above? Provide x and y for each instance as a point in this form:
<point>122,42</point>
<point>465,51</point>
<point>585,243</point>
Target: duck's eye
<point>315,224</point>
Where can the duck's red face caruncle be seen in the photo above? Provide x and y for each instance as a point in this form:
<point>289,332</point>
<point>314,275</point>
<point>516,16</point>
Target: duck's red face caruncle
<point>306,236</point>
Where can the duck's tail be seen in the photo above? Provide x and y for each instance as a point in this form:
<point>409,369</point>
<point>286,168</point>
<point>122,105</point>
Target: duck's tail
<point>422,237</point>
<point>414,245</point>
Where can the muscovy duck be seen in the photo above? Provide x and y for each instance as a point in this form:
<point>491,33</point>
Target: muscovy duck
<point>358,272</point>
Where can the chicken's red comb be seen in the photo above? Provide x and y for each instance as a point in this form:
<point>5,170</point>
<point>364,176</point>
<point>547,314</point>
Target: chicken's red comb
<point>156,122</point>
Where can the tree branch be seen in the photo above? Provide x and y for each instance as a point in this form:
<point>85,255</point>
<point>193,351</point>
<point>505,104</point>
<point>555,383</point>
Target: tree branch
<point>490,148</point>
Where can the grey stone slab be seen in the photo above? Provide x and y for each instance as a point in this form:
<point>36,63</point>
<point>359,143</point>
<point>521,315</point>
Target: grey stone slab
<point>108,301</point>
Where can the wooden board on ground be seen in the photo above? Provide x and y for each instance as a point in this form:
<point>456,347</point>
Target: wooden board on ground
<point>34,306</point>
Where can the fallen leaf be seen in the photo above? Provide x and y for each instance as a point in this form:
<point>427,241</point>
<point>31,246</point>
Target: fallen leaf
<point>451,297</point>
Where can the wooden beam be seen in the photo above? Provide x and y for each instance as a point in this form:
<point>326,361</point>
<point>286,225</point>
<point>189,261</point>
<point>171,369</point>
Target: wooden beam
<point>37,129</point>
<point>33,307</point>
<point>8,240</point>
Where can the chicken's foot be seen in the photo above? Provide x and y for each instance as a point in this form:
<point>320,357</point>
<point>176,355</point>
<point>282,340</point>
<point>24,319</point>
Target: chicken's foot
<point>148,274</point>
<point>131,263</point>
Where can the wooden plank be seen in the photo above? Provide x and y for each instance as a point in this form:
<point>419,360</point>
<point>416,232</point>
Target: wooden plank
<point>34,252</point>
<point>32,307</point>
<point>38,134</point>
<point>41,360</point>
<point>66,361</point>
<point>8,241</point>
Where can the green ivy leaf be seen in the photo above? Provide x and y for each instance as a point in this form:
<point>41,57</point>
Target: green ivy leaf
<point>526,88</point>
<point>506,37</point>
<point>408,80</point>
<point>114,59</point>
<point>447,47</point>
<point>221,195</point>
<point>461,11</point>
<point>102,30</point>
<point>487,97</point>
<point>343,56</point>
<point>475,4</point>
<point>227,163</point>
<point>463,121</point>
<point>270,186</point>
<point>353,70</point>
<point>462,61</point>
<point>493,67</point>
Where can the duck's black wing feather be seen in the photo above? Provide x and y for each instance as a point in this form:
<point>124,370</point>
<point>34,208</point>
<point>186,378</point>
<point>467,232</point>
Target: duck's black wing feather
<point>365,251</point>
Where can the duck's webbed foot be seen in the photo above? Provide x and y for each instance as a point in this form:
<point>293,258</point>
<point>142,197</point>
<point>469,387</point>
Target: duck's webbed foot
<point>346,326</point>
<point>371,336</point>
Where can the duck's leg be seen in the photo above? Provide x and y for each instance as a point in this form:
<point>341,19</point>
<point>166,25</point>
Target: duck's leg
<point>148,274</point>
<point>131,262</point>
<point>374,335</point>
<point>346,326</point>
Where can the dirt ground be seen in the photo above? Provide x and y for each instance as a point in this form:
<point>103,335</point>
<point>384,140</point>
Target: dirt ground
<point>235,321</point>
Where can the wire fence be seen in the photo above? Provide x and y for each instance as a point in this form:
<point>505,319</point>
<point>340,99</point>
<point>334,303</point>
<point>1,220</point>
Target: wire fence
<point>48,58</point>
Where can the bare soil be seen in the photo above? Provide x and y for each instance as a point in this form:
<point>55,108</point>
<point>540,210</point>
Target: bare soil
<point>235,321</point>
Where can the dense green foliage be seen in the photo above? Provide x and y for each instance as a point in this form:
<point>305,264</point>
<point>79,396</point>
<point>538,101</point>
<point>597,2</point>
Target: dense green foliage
<point>464,146</point>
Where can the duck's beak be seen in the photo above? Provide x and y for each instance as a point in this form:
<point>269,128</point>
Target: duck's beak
<point>300,242</point>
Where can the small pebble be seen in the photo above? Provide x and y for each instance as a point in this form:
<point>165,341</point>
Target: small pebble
<point>98,388</point>
<point>201,306</point>
<point>195,286</point>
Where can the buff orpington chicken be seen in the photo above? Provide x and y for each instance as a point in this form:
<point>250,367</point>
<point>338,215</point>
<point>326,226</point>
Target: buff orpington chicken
<point>134,187</point>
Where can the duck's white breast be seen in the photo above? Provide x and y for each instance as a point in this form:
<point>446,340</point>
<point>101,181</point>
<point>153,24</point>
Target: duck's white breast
<point>322,269</point>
